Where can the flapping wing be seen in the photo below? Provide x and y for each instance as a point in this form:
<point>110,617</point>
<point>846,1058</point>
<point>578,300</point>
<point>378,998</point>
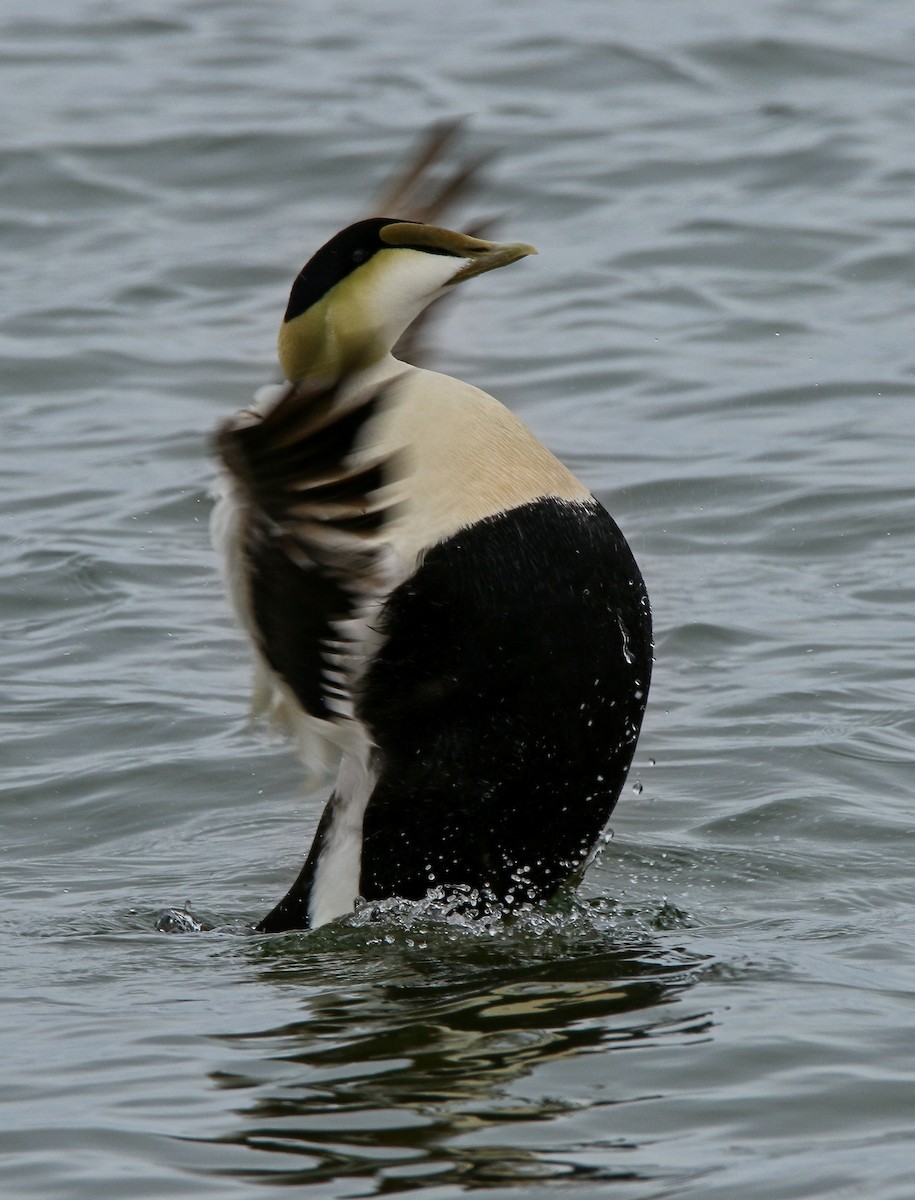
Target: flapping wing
<point>312,521</point>
<point>427,187</point>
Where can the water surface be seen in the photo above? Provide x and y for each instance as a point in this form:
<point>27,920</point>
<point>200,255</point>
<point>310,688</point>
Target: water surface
<point>717,336</point>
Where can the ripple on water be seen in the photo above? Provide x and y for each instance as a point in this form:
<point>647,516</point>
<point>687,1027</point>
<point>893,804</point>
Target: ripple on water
<point>717,336</point>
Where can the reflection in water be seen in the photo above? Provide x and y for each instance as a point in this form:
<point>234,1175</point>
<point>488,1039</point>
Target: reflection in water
<point>405,1055</point>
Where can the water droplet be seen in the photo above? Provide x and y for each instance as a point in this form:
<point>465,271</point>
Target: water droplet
<point>637,788</point>
<point>624,634</point>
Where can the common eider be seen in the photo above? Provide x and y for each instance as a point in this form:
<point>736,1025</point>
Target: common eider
<point>436,603</point>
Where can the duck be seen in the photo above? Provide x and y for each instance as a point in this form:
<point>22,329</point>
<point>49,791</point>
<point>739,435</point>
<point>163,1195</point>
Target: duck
<point>439,610</point>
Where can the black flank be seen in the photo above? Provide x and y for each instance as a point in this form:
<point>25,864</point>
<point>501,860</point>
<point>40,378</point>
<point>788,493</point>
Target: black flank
<point>505,703</point>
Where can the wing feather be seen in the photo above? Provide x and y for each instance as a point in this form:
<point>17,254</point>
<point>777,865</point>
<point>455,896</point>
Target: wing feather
<point>311,536</point>
<point>427,187</point>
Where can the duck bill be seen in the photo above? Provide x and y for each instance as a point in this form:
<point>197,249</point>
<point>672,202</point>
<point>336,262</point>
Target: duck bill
<point>480,255</point>
<point>496,254</point>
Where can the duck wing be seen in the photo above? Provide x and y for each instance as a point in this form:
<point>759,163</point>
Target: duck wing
<point>311,510</point>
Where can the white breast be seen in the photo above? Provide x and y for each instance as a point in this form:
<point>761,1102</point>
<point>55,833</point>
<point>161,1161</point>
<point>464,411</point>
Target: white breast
<point>467,457</point>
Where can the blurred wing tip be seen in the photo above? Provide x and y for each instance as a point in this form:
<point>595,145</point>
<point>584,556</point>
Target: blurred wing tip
<point>427,185</point>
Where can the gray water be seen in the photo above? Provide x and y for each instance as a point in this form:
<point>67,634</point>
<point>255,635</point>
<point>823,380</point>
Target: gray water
<point>717,336</point>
